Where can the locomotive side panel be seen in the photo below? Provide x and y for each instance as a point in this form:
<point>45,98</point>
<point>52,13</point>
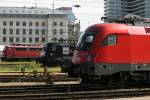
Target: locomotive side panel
<point>27,52</point>
<point>33,52</point>
<point>140,49</point>
<point>21,53</point>
<point>116,53</point>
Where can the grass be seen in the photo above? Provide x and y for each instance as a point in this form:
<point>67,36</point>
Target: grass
<point>27,68</point>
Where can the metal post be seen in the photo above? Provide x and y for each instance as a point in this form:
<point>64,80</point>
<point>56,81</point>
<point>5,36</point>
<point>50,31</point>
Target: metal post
<point>53,4</point>
<point>35,3</point>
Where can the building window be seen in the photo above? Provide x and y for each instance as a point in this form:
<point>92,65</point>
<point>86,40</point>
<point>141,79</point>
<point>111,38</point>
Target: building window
<point>61,23</point>
<point>43,23</point>
<point>23,39</point>
<point>36,39</point>
<point>24,23</point>
<point>54,32</point>
<point>61,31</point>
<point>11,39</point>
<point>43,39</point>
<point>61,39</point>
<point>4,23</point>
<point>17,23</point>
<point>4,30</point>
<point>30,23</point>
<point>24,31</point>
<point>42,12</point>
<point>17,31</point>
<point>55,23</point>
<point>11,23</point>
<point>36,23</point>
<point>54,38</point>
<point>16,11</point>
<point>17,39</point>
<point>4,39</point>
<point>23,11</point>
<point>30,39</point>
<point>30,31</point>
<point>29,11</point>
<point>37,31</point>
<point>11,31</point>
<point>36,12</point>
<point>43,31</point>
<point>3,10</point>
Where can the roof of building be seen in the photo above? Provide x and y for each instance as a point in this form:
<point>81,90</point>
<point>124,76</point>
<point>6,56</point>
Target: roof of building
<point>37,12</point>
<point>34,10</point>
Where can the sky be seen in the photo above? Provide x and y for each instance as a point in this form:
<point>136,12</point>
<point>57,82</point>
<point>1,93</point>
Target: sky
<point>89,13</point>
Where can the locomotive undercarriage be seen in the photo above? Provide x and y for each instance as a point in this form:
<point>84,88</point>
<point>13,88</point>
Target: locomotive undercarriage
<point>113,73</point>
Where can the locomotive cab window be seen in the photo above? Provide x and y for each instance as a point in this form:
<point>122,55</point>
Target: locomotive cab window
<point>110,40</point>
<point>89,39</point>
<point>86,40</point>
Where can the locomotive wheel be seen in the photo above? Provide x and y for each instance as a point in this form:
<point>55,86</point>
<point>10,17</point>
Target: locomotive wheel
<point>119,79</point>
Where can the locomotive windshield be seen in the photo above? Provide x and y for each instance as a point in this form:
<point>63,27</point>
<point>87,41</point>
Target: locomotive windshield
<point>85,41</point>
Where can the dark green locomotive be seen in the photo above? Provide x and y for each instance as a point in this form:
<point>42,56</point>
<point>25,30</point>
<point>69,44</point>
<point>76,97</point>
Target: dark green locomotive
<point>57,54</point>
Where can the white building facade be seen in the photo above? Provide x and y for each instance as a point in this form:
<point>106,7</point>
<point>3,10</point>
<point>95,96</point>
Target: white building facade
<point>32,25</point>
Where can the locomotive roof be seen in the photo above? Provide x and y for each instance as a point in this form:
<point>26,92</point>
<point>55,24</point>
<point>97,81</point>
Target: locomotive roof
<point>111,28</point>
<point>58,44</point>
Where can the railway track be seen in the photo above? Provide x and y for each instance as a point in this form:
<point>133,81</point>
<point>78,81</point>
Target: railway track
<point>60,86</point>
<point>63,92</point>
<point>49,88</point>
<point>45,93</point>
<point>22,77</point>
<point>16,63</point>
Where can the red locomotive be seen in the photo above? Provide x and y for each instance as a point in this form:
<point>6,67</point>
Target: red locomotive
<point>13,52</point>
<point>113,51</point>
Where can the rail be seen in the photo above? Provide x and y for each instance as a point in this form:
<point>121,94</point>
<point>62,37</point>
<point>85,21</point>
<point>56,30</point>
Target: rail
<point>45,93</point>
